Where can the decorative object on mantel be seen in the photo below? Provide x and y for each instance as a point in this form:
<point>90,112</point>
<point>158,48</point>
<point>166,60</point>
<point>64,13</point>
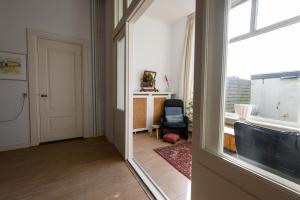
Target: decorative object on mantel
<point>168,81</point>
<point>148,82</point>
<point>12,66</point>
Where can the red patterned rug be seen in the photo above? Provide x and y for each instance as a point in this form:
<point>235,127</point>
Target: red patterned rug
<point>179,156</point>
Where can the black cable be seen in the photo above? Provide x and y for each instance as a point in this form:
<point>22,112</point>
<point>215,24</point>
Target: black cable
<point>19,113</point>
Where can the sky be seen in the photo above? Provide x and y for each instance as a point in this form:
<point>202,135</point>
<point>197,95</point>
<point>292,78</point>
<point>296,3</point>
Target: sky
<point>275,51</point>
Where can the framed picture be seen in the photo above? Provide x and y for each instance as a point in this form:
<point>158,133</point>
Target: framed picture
<point>12,66</point>
<point>148,82</point>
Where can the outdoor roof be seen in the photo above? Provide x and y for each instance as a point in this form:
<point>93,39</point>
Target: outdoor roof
<point>282,75</point>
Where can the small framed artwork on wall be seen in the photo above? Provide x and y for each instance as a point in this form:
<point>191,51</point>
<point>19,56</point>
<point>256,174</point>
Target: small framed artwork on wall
<point>12,66</point>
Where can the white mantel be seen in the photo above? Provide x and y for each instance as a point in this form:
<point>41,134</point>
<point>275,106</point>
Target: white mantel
<point>153,93</point>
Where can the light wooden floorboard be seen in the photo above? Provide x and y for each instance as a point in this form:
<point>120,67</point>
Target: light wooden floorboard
<point>172,182</point>
<point>83,169</point>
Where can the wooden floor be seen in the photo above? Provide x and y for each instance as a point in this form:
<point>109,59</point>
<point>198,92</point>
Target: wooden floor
<point>175,185</point>
<point>80,169</point>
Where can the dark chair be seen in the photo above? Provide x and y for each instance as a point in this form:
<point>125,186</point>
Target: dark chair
<point>275,149</point>
<point>173,118</point>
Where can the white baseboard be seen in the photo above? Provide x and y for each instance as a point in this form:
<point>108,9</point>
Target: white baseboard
<point>14,147</point>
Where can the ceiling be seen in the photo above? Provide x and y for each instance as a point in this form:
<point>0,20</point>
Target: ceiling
<point>170,11</point>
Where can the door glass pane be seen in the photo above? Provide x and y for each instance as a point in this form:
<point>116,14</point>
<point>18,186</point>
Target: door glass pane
<point>121,73</point>
<point>239,19</point>
<point>118,11</point>
<point>273,11</point>
<point>128,2</point>
<point>263,96</point>
<point>265,74</point>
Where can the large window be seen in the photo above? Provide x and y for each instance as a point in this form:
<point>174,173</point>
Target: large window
<point>262,93</point>
<point>273,11</point>
<point>121,74</point>
<point>263,70</point>
<point>239,19</point>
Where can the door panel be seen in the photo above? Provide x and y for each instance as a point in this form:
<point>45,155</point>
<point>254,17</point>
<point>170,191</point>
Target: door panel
<point>60,89</point>
<point>120,94</point>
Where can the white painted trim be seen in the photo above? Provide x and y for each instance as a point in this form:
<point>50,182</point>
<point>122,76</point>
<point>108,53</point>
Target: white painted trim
<point>88,116</point>
<point>253,31</point>
<point>14,147</point>
<point>153,93</point>
<point>267,122</point>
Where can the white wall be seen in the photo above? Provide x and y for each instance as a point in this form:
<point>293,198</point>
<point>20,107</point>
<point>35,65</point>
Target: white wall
<point>69,17</point>
<point>158,46</point>
<point>152,50</point>
<point>178,37</point>
<point>275,97</point>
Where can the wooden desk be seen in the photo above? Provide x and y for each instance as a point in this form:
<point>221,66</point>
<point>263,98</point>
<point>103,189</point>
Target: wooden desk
<point>229,138</point>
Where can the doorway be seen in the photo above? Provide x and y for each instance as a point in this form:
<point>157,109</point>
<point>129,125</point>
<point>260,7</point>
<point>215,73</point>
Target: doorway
<point>60,87</point>
<point>157,45</point>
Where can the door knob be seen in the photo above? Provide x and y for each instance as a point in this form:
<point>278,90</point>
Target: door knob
<point>44,95</point>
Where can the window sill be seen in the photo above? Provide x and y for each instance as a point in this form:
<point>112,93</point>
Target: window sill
<point>230,120</point>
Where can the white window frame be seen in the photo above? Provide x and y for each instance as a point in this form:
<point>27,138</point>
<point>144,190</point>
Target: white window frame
<point>209,109</point>
<point>253,22</point>
<point>253,31</point>
<point>267,122</point>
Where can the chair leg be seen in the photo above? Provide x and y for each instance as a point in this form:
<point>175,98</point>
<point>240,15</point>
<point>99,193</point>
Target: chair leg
<point>161,132</point>
<point>185,134</point>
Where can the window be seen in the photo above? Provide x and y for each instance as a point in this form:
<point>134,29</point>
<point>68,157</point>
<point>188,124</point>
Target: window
<point>239,19</point>
<point>273,11</point>
<point>121,74</point>
<point>263,90</point>
<point>128,2</point>
<point>264,71</point>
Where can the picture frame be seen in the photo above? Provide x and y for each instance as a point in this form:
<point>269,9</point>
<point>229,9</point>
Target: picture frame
<point>148,82</point>
<point>12,66</point>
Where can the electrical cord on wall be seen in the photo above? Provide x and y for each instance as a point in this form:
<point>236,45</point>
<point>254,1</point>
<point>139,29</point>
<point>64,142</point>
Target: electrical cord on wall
<point>24,95</point>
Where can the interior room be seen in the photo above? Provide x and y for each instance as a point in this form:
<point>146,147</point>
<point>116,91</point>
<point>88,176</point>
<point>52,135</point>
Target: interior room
<point>149,99</point>
<point>161,48</point>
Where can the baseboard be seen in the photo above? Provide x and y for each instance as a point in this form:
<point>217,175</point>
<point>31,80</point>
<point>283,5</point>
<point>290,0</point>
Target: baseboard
<point>14,147</point>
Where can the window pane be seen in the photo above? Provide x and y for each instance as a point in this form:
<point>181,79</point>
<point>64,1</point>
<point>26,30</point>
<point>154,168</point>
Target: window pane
<point>263,91</point>
<point>264,71</point>
<point>118,11</point>
<point>121,73</point>
<point>273,11</point>
<point>239,19</point>
<point>128,2</point>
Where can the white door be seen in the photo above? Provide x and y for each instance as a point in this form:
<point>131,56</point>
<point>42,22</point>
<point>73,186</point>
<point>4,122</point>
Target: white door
<point>60,90</point>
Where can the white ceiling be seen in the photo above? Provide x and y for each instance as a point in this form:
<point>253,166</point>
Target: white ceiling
<point>170,11</point>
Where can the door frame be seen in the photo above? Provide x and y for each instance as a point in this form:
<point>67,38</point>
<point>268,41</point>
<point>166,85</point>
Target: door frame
<point>33,86</point>
<point>137,9</point>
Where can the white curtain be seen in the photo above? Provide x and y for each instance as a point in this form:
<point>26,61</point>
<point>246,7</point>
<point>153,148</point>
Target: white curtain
<point>187,75</point>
